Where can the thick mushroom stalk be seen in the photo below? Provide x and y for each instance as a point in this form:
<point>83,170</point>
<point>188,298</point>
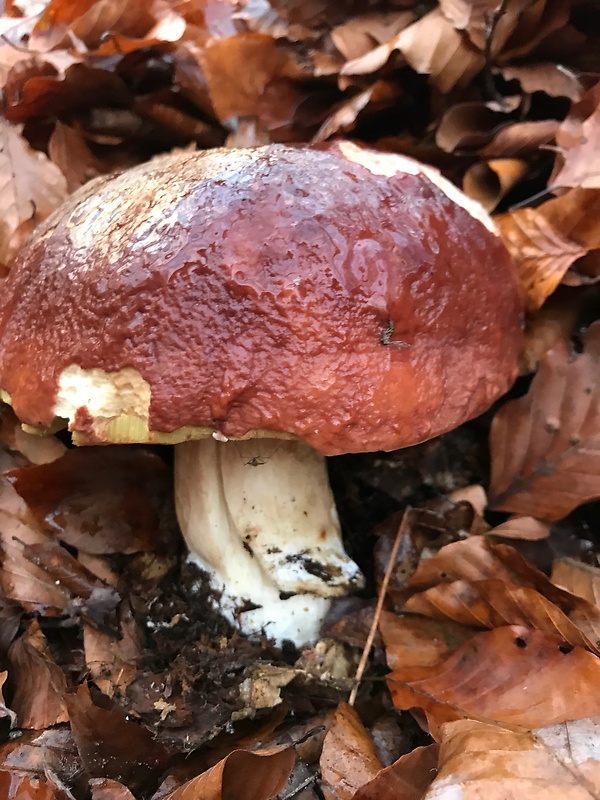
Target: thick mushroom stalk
<point>265,528</point>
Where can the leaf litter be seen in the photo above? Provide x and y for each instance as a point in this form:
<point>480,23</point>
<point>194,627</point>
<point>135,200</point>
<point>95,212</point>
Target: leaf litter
<point>480,665</point>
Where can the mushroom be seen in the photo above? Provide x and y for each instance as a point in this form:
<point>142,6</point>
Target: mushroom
<point>330,299</point>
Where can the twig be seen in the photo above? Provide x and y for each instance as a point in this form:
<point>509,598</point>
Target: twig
<point>378,608</point>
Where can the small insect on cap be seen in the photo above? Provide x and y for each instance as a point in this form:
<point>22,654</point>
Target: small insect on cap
<point>353,299</point>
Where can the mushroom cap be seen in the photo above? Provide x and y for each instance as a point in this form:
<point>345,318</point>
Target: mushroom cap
<point>353,299</point>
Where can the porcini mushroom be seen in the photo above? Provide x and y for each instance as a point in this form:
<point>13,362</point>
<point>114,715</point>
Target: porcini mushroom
<point>331,299</point>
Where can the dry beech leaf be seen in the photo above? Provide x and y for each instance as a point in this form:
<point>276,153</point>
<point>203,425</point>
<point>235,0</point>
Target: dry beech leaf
<point>557,319</point>
<point>545,446</point>
<point>349,759</point>
<point>99,499</point>
<point>238,68</point>
<point>578,140</point>
<point>488,182</point>
<point>16,786</point>
<point>527,529</point>
<point>553,79</point>
<point>71,153</point>
<point>511,675</point>
<point>107,789</point>
<point>406,779</point>
<point>555,762</point>
<point>36,449</point>
<point>473,18</point>
<point>242,775</point>
<point>520,138</point>
<point>493,603</point>
<point>344,115</point>
<point>413,641</point>
<point>548,240</point>
<point>40,684</point>
<point>580,579</point>
<point>356,37</point>
<point>31,186</point>
<point>113,662</point>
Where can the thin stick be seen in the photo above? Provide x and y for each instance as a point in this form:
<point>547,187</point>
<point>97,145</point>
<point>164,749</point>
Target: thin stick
<point>378,608</point>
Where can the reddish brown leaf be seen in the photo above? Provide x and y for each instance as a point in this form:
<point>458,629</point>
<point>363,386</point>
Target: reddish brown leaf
<point>523,528</point>
<point>474,18</point>
<point>16,786</point>
<point>100,500</point>
<point>579,141</point>
<point>356,37</point>
<point>113,661</point>
<point>553,79</point>
<point>546,445</point>
<point>412,641</point>
<point>349,759</point>
<point>511,675</point>
<point>243,775</point>
<point>488,182</point>
<point>406,779</point>
<point>40,684</point>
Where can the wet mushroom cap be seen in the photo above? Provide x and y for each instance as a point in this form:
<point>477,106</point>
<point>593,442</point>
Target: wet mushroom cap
<point>355,300</point>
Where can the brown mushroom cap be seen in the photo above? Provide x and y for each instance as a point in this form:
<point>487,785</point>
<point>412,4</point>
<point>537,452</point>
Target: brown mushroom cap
<point>337,294</point>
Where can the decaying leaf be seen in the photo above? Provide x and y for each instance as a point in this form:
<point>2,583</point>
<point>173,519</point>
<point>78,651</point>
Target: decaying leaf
<point>546,445</point>
<point>419,641</point>
<point>578,578</point>
<point>349,759</point>
<point>557,762</point>
<point>107,789</point>
<point>31,186</point>
<point>578,139</point>
<point>512,675</point>
<point>243,774</point>
<point>100,500</point>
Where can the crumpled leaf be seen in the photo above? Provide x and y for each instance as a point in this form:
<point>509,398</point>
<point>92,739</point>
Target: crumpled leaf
<point>243,775</point>
<point>101,500</point>
<point>545,446</point>
<point>31,186</point>
<point>489,181</point>
<point>16,786</point>
<point>556,762</point>
<point>512,675</point>
<point>475,17</point>
<point>356,37</point>
<point>40,684</point>
<point>349,759</point>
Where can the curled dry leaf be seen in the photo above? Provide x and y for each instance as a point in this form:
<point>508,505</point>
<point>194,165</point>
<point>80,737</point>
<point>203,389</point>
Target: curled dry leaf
<point>355,38</point>
<point>36,449</point>
<point>558,319</point>
<point>100,500</point>
<point>511,675</point>
<point>578,578</point>
<point>556,762</point>
<point>407,779</point>
<point>485,19</point>
<point>526,529</point>
<point>31,186</point>
<point>545,446</point>
<point>557,80</point>
<point>40,684</point>
<point>349,759</point>
<point>488,182</point>
<point>243,775</point>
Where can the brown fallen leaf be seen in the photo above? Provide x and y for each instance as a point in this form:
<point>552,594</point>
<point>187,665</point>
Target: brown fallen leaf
<point>578,578</point>
<point>493,603</point>
<point>349,759</point>
<point>406,779</point>
<point>578,140</point>
<point>110,745</point>
<point>113,662</point>
<point>16,786</point>
<point>527,529</point>
<point>107,789</point>
<point>488,182</point>
<point>101,500</point>
<point>545,446</point>
<point>31,187</point>
<point>40,684</point>
<point>557,80</point>
<point>475,17</point>
<point>356,37</point>
<point>557,319</point>
<point>243,775</point>
<point>413,641</point>
<point>513,675</point>
<point>556,762</point>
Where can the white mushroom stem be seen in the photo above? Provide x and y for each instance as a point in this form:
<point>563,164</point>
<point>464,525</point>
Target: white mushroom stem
<point>260,518</point>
